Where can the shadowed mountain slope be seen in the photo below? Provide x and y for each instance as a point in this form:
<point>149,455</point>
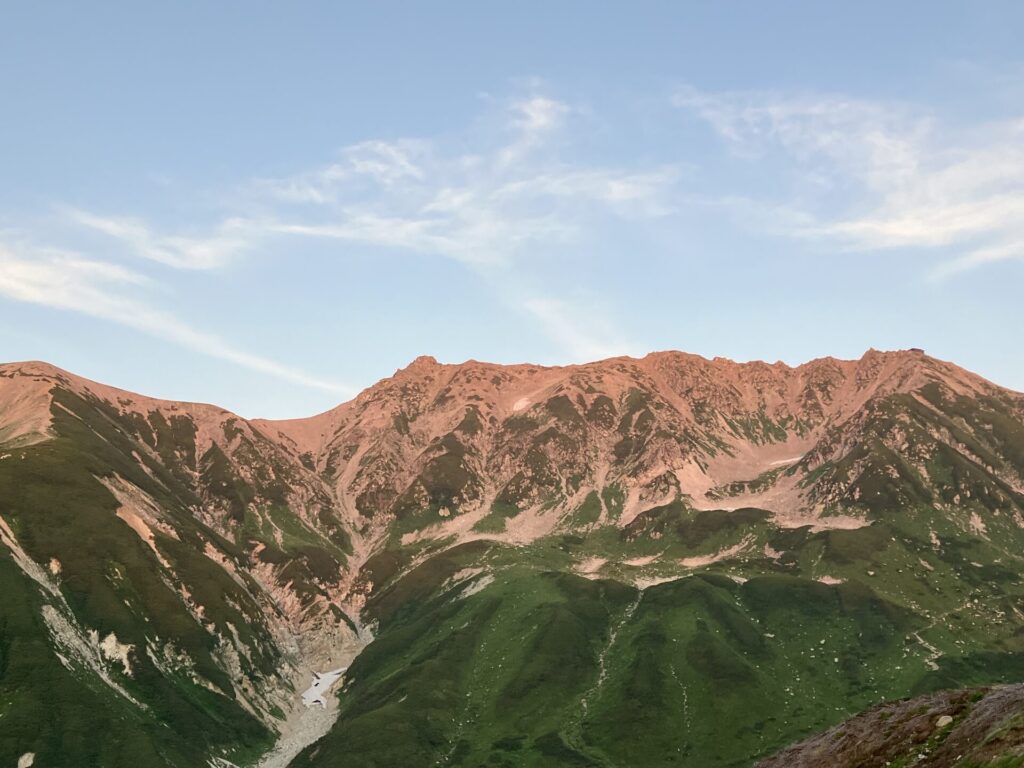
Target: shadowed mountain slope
<point>558,565</point>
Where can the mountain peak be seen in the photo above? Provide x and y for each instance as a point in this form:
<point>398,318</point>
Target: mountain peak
<point>422,362</point>
<point>641,471</point>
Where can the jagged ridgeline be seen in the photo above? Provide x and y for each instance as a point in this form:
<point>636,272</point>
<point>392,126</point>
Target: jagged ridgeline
<point>669,561</point>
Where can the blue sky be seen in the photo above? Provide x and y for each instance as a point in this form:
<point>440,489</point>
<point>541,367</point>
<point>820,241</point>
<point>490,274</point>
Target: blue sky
<point>270,206</point>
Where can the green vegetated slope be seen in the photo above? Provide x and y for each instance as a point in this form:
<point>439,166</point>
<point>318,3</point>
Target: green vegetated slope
<point>67,717</point>
<point>541,667</point>
<point>202,673</point>
<point>175,703</point>
<point>675,636</point>
<point>793,630</point>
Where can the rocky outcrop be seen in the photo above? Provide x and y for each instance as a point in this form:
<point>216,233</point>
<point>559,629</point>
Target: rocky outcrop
<point>980,726</point>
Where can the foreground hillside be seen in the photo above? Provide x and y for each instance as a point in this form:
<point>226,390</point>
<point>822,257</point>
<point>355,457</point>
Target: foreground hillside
<point>967,728</point>
<point>666,561</point>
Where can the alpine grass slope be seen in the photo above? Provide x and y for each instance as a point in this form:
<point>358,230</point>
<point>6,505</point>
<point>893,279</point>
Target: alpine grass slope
<point>669,561</point>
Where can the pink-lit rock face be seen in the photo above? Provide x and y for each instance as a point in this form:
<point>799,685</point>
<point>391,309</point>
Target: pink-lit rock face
<point>289,544</point>
<point>446,443</point>
<point>484,451</point>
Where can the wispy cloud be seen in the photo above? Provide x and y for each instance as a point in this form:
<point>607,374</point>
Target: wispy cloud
<point>68,281</point>
<point>170,250</point>
<point>859,174</point>
<point>532,122</point>
<point>368,162</point>
<point>482,200</point>
<point>480,206</point>
<point>893,175</point>
<point>581,331</point>
<point>980,257</point>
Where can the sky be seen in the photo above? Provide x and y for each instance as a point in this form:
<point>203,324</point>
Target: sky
<point>270,206</point>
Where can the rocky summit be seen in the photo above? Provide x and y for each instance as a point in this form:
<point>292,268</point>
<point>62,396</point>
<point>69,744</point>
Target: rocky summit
<point>666,561</point>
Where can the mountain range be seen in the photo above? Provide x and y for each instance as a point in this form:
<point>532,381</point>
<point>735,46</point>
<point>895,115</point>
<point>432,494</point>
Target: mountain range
<point>666,561</point>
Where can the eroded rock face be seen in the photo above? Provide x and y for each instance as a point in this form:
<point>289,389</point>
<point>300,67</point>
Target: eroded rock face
<point>979,726</point>
<point>233,556</point>
<point>436,444</point>
<point>460,452</point>
<point>441,447</point>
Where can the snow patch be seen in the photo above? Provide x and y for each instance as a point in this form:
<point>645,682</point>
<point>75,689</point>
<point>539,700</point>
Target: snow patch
<point>322,683</point>
<point>84,649</point>
<point>818,523</point>
<point>638,561</point>
<point>27,565</point>
<point>722,554</point>
<point>590,566</point>
<point>113,650</point>
<point>65,632</point>
<point>780,462</point>
<point>644,582</point>
<point>477,585</point>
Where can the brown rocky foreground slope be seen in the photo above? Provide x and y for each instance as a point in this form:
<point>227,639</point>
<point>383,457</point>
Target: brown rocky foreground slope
<point>974,727</point>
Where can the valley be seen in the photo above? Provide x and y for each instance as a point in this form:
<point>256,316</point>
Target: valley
<point>665,561</point>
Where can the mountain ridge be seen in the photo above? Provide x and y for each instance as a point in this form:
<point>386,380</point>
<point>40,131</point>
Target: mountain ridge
<point>189,553</point>
<point>451,440</point>
<point>45,368</point>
